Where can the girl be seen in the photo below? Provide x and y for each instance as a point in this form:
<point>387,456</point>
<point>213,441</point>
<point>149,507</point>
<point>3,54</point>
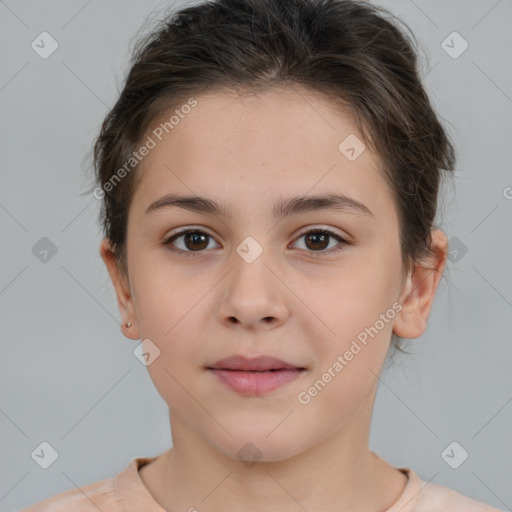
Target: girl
<point>293,143</point>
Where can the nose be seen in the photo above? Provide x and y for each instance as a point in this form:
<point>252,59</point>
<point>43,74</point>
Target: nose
<point>252,296</point>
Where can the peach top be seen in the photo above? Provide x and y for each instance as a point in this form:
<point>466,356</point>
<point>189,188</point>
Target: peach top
<point>126,492</point>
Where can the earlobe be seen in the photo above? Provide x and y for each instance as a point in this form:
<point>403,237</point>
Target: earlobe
<point>122,290</point>
<point>420,288</point>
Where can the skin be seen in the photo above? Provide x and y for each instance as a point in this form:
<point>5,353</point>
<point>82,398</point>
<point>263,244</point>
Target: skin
<point>292,303</point>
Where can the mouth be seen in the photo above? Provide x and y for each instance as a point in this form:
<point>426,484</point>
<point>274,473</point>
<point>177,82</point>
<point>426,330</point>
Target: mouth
<point>259,364</point>
<point>255,377</point>
<point>255,371</point>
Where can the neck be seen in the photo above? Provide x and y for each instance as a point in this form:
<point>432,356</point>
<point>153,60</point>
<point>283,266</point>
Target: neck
<point>339,473</point>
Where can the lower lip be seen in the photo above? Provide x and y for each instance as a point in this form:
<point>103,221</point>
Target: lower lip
<point>255,383</point>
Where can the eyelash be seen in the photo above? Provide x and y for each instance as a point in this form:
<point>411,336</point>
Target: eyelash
<point>182,252</point>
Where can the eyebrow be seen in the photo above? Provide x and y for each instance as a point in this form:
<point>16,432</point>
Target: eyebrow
<point>283,207</point>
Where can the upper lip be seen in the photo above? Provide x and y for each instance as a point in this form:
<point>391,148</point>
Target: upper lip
<point>260,363</point>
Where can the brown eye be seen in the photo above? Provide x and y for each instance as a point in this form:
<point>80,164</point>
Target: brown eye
<point>195,241</point>
<point>318,240</point>
<point>192,240</point>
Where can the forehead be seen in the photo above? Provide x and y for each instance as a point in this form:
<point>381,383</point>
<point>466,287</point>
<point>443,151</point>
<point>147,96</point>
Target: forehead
<point>253,146</point>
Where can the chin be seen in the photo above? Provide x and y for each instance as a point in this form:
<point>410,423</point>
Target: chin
<point>253,447</point>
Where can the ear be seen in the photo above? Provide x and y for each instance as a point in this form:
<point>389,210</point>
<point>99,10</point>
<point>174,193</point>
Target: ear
<point>420,288</point>
<point>123,292</point>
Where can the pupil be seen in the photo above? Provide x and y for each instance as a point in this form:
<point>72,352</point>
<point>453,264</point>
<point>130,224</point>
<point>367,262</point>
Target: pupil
<point>323,236</point>
<point>194,237</point>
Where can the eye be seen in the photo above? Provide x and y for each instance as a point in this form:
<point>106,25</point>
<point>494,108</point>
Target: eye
<point>195,241</point>
<point>318,240</point>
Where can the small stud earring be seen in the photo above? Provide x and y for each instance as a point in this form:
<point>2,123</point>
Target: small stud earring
<point>128,324</point>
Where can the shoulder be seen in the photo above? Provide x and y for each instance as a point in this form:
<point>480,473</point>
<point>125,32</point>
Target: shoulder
<point>437,498</point>
<point>89,498</point>
<point>115,494</point>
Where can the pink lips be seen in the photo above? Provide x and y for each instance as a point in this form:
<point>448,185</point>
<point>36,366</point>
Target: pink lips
<point>256,376</point>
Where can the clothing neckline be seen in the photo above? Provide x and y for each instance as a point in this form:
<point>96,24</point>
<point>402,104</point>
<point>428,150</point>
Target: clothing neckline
<point>136,496</point>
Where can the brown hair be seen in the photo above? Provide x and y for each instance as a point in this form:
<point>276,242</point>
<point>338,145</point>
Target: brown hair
<point>349,51</point>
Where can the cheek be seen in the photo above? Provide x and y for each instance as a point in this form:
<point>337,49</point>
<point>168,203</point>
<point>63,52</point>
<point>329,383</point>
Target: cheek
<point>168,304</point>
<point>347,369</point>
<point>341,305</point>
<point>165,296</point>
<point>353,319</point>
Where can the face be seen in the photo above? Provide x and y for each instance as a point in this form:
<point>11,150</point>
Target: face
<point>320,288</point>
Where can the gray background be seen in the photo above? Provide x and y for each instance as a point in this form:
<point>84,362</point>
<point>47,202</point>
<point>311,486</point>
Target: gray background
<point>68,375</point>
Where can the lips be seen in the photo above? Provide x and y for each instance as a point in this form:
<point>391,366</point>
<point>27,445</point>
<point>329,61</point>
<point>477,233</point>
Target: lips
<point>255,377</point>
<point>258,364</point>
<point>253,383</point>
